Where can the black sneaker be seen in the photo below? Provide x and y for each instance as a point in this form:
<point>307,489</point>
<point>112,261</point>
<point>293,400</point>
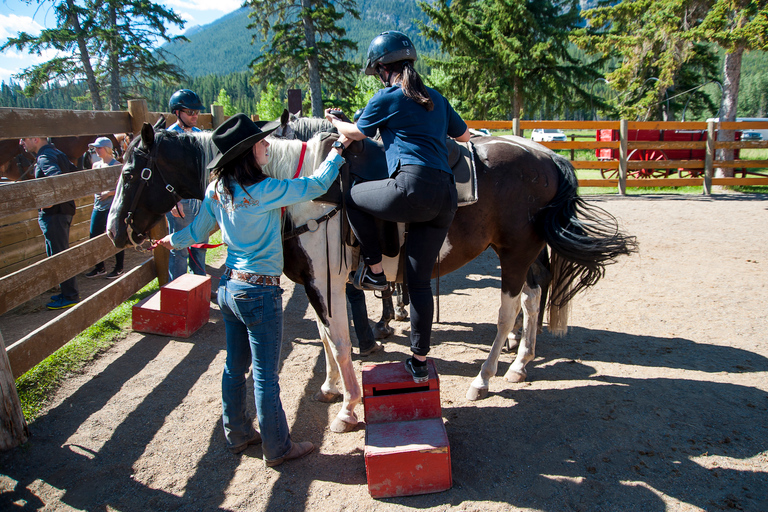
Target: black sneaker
<point>115,273</point>
<point>96,272</point>
<point>419,372</point>
<point>367,280</point>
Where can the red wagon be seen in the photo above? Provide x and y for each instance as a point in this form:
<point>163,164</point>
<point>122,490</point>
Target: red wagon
<point>656,155</point>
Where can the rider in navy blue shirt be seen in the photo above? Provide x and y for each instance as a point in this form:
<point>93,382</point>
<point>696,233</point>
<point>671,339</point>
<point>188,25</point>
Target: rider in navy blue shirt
<point>413,121</point>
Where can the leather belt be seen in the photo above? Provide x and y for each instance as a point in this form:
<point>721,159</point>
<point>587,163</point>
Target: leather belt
<point>248,277</point>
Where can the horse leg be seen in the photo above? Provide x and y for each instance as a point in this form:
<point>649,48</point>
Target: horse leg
<point>382,329</point>
<point>329,390</point>
<point>401,312</point>
<point>510,305</point>
<point>530,298</point>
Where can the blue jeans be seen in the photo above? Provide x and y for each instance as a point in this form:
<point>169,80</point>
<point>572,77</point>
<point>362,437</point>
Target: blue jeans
<point>365,337</point>
<point>99,226</point>
<point>426,199</point>
<point>177,262</point>
<point>253,317</point>
<point>55,228</point>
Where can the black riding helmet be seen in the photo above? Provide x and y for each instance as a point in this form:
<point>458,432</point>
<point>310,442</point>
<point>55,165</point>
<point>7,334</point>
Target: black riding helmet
<point>184,98</point>
<point>388,47</point>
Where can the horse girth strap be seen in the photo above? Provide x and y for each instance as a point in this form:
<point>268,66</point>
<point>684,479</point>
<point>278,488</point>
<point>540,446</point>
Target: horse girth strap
<point>311,225</point>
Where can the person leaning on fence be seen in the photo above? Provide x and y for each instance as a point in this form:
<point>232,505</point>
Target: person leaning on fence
<point>246,206</point>
<point>186,106</point>
<point>413,121</point>
<point>102,201</point>
<point>54,220</point>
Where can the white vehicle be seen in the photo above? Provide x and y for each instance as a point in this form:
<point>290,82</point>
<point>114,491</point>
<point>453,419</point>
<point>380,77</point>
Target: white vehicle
<point>750,133</point>
<point>548,135</point>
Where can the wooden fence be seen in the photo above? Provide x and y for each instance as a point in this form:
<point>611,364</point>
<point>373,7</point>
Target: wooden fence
<point>29,273</point>
<point>625,146</point>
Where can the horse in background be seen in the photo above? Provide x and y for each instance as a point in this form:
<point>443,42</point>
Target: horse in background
<point>16,164</point>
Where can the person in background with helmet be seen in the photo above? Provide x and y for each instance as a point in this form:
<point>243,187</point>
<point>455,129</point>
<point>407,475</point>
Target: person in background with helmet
<point>414,121</point>
<point>186,106</point>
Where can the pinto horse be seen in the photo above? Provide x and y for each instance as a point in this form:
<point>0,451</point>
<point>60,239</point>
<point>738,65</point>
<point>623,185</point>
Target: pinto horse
<point>527,198</point>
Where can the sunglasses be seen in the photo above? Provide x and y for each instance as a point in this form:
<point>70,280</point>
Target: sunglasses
<point>190,112</point>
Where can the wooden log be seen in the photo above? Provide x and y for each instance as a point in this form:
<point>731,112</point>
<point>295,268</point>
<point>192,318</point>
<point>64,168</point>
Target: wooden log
<point>17,123</point>
<point>623,156</point>
<point>665,164</point>
<point>662,144</point>
<point>709,159</point>
<point>666,125</point>
<point>23,285</point>
<point>13,427</point>
<point>43,192</point>
<point>595,164</point>
<point>29,351</point>
<point>582,144</point>
<point>570,125</point>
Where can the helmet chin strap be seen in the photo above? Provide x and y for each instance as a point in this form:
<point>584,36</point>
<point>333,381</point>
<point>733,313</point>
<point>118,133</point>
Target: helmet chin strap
<point>386,80</point>
<point>181,121</point>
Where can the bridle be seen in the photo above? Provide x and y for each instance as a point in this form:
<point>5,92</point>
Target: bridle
<point>146,175</point>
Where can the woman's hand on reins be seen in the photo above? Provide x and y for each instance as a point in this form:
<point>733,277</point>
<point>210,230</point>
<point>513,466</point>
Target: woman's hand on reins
<point>164,242</point>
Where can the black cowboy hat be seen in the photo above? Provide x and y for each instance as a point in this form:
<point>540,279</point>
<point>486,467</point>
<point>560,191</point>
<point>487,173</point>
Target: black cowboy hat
<point>237,135</point>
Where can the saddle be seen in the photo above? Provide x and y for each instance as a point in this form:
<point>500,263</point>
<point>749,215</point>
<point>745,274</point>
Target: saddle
<point>366,161</point>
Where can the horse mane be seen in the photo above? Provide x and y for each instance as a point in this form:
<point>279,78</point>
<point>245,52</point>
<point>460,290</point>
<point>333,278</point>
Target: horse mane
<point>305,128</point>
<point>284,155</point>
<point>199,144</point>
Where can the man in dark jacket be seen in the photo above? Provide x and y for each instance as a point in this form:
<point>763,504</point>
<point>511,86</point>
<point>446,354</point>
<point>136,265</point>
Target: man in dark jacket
<point>54,220</point>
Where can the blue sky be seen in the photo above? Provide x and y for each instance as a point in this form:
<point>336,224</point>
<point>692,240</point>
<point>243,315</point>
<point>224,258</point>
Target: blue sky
<point>17,16</point>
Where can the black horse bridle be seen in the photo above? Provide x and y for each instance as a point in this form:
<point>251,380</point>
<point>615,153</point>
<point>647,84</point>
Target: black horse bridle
<point>145,176</point>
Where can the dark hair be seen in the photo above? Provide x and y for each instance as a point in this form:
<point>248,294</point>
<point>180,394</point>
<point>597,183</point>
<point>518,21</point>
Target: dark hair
<point>412,85</point>
<point>243,170</point>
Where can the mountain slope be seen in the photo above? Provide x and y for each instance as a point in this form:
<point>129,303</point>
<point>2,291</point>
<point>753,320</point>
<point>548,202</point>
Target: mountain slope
<point>224,46</point>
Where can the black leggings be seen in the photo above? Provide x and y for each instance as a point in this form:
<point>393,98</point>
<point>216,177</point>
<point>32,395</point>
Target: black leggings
<point>425,198</point>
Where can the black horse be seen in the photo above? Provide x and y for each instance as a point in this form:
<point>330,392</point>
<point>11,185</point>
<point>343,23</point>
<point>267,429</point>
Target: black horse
<point>527,198</point>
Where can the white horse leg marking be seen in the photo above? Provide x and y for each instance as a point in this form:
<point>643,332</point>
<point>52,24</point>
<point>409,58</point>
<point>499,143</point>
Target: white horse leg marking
<point>507,313</point>
<point>526,350</point>
<point>329,391</point>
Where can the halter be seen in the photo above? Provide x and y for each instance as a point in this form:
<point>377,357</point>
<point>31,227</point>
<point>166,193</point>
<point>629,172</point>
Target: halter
<point>146,175</point>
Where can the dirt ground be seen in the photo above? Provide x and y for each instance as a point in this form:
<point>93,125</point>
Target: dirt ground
<point>656,399</point>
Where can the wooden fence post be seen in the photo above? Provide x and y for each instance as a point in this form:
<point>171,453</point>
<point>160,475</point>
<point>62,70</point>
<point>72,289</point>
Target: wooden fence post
<point>13,427</point>
<point>709,158</point>
<point>623,134</point>
<point>140,115</point>
<point>217,112</point>
<point>516,127</point>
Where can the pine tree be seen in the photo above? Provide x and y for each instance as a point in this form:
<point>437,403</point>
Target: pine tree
<point>508,56</point>
<point>306,46</point>
<point>118,36</point>
<point>662,36</point>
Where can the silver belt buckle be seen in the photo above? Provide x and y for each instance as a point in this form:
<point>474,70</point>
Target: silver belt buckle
<point>312,225</point>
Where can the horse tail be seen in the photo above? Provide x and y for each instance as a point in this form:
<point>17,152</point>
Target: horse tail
<point>583,238</point>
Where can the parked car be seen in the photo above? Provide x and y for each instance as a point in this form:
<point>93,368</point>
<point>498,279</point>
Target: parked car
<point>548,135</point>
<point>751,135</point>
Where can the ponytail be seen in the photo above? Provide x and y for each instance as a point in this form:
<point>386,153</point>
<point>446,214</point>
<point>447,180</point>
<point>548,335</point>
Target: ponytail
<point>411,83</point>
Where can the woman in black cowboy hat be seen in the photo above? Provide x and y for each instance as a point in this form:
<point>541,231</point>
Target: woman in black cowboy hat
<point>246,204</point>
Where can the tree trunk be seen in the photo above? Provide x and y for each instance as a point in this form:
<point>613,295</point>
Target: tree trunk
<point>114,61</point>
<point>85,57</point>
<point>313,65</point>
<point>517,99</point>
<point>731,78</point>
<point>13,427</point>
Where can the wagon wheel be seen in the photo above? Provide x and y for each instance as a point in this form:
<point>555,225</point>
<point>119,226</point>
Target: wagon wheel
<point>655,155</point>
<point>609,174</point>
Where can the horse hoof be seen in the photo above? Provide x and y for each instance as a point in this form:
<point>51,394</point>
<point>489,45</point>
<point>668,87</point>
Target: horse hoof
<point>514,377</point>
<point>326,398</point>
<point>382,332</point>
<point>341,426</point>
<point>474,393</point>
<point>401,315</point>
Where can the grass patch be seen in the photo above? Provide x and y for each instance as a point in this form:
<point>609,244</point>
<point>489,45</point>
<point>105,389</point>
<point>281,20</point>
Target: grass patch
<point>37,386</point>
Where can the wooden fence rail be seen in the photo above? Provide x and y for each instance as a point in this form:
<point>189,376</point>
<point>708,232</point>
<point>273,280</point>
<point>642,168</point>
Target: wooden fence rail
<point>625,147</point>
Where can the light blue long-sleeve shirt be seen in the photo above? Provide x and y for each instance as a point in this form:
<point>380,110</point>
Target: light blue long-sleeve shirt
<point>250,225</point>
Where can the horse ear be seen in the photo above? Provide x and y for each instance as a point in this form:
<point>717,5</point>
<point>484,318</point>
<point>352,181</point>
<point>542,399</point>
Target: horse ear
<point>147,135</point>
<point>284,117</point>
